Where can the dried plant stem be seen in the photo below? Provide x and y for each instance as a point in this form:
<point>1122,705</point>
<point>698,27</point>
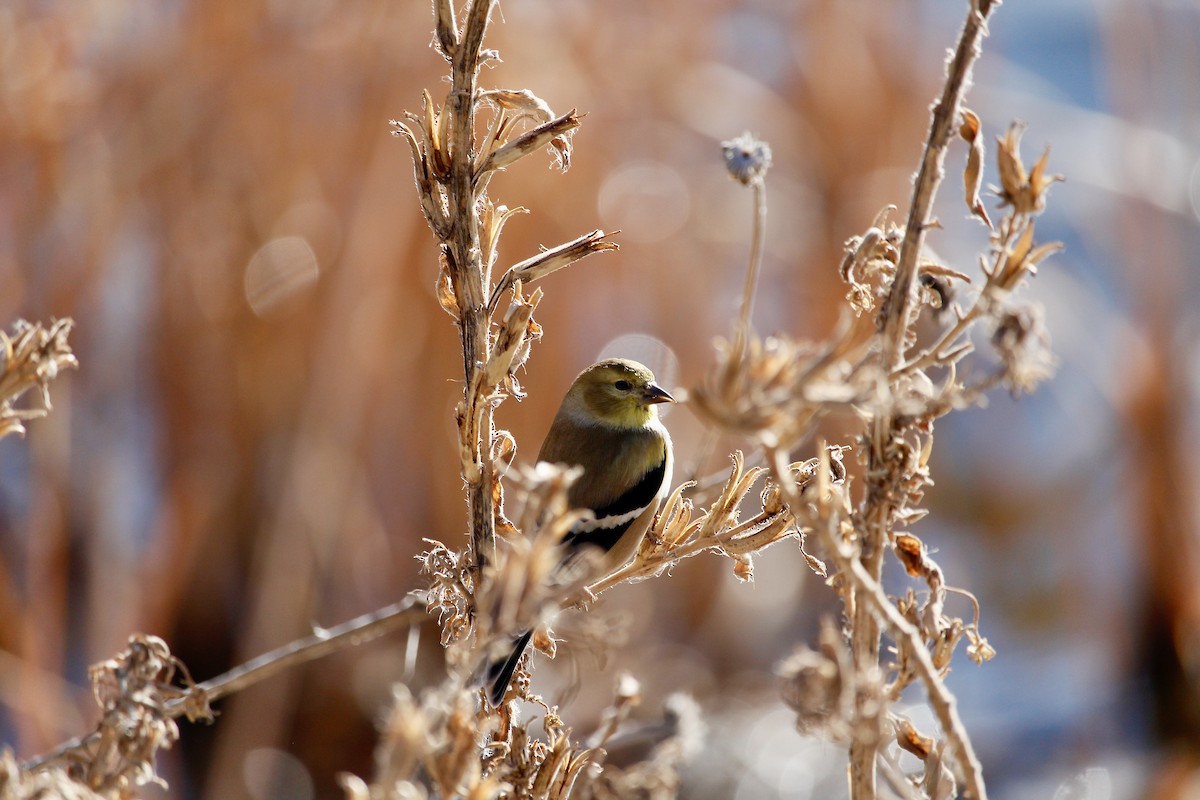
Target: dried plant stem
<point>869,594</point>
<point>408,612</point>
<point>944,704</point>
<point>929,177</point>
<point>881,500</point>
<point>756,256</point>
<point>467,273</point>
<point>640,569</point>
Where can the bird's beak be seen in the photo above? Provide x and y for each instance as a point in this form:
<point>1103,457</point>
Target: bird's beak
<point>656,394</point>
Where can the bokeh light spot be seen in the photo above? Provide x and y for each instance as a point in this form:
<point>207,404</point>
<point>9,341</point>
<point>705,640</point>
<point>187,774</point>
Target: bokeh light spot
<point>270,773</point>
<point>647,202</point>
<point>279,269</point>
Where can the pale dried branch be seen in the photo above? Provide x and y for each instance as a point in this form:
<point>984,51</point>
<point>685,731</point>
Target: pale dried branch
<point>883,475</point>
<point>553,133</point>
<point>549,261</point>
<point>869,594</point>
<point>150,658</point>
<point>929,175</point>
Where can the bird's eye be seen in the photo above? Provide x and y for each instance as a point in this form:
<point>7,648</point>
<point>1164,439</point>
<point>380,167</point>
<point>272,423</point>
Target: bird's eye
<point>623,386</point>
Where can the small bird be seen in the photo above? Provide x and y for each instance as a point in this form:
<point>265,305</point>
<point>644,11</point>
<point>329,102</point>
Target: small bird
<point>608,425</point>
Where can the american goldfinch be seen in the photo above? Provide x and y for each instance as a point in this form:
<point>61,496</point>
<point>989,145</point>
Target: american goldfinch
<point>608,425</point>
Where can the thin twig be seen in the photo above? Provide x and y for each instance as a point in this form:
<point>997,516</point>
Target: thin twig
<point>758,234</point>
<point>929,177</point>
<point>195,702</point>
<point>550,261</point>
<point>408,612</point>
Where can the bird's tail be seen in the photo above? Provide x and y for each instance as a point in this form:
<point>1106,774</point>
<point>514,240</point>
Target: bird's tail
<point>500,673</point>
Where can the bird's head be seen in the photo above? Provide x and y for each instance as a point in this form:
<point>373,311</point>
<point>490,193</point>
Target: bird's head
<point>618,392</point>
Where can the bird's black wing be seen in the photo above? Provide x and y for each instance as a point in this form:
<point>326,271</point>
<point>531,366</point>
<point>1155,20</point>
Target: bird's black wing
<point>500,672</point>
<point>612,520</point>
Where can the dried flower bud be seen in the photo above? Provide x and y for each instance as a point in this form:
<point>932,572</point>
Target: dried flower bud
<point>1022,343</point>
<point>743,567</point>
<point>746,158</point>
<point>910,739</point>
<point>1025,192</point>
<point>911,552</point>
<point>811,685</point>
<point>973,174</point>
<point>979,650</point>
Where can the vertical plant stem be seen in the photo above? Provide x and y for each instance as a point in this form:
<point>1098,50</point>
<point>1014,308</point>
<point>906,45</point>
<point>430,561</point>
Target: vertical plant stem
<point>756,257</point>
<point>929,177</point>
<point>466,274</point>
<point>883,476</point>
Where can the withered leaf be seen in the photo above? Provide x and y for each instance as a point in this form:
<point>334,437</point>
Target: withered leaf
<point>911,552</point>
<point>973,174</point>
<point>910,739</point>
<point>445,291</point>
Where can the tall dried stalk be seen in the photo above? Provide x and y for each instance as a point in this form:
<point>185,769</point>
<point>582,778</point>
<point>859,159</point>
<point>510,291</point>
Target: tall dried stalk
<point>775,390</point>
<point>883,500</point>
<point>453,167</point>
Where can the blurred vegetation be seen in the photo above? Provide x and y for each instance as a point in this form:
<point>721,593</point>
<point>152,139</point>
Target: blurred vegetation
<point>260,432</point>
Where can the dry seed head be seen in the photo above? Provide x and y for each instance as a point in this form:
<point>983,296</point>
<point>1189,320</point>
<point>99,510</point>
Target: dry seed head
<point>132,689</point>
<point>1024,191</point>
<point>1021,259</point>
<point>512,342</point>
<point>33,356</point>
<point>746,158</point>
<point>1023,345</point>
<point>406,737</point>
<point>869,264</point>
<point>815,684</point>
<point>456,765</point>
<point>752,391</point>
<point>17,783</point>
<point>501,148</point>
<point>776,388</point>
<point>449,595</point>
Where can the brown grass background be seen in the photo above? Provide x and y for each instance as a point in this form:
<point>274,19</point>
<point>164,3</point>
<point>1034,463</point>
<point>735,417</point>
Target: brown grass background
<point>233,464</point>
